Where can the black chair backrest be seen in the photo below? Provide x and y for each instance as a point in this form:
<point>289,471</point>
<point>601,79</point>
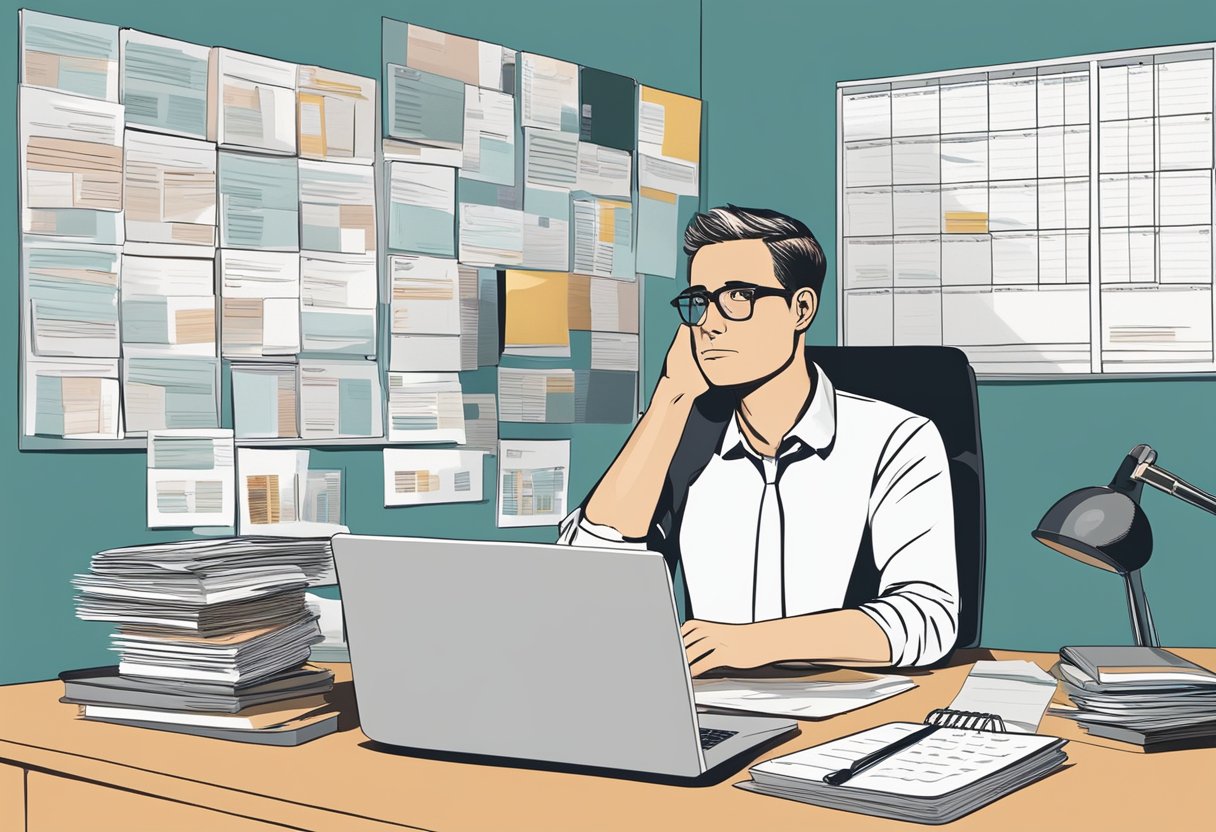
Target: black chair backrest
<point>938,383</point>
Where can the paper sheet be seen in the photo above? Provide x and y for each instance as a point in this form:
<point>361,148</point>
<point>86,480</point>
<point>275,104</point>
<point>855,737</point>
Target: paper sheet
<point>273,490</point>
<point>425,407</point>
<point>812,697</point>
<point>191,478</point>
<point>419,477</point>
<point>534,477</point>
<point>1016,691</point>
<point>257,102</point>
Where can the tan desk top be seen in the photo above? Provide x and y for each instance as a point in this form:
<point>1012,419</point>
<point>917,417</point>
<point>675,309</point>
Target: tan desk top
<point>338,783</point>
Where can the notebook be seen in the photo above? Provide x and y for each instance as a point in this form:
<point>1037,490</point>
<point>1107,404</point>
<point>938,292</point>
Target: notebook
<point>948,774</point>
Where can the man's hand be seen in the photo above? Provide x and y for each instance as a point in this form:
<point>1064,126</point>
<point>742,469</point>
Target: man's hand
<point>710,645</point>
<point>682,376</point>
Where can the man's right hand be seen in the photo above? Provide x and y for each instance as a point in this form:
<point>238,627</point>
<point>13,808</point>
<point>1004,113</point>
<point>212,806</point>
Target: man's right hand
<point>682,378</point>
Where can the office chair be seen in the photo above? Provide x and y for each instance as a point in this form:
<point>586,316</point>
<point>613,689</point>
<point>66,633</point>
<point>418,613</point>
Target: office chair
<point>938,383</point>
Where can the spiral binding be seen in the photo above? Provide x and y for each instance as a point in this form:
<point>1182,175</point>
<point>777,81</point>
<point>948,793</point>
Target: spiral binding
<point>974,720</point>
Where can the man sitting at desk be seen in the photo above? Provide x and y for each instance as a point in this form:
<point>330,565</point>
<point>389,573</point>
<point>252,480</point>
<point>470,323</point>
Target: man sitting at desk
<point>812,523</point>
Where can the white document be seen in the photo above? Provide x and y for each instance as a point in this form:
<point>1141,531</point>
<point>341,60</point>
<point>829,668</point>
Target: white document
<point>70,295</point>
<point>337,116</point>
<point>273,487</point>
<point>191,478</point>
<point>491,235</point>
<point>170,195</point>
<point>604,171</point>
<point>813,697</point>
<point>70,156</point>
<point>548,93</point>
<point>72,398</point>
<point>418,477</point>
<point>534,478</point>
<point>260,293</point>
<point>425,295</point>
<point>1016,691</point>
<point>338,303</point>
<point>339,399</point>
<point>425,407</point>
<point>526,395</point>
<point>489,136</point>
<point>337,207</point>
<point>257,102</point>
<point>614,351</point>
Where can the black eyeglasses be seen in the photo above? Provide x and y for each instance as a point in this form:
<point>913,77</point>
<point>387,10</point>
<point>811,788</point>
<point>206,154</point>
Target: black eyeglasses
<point>735,301</point>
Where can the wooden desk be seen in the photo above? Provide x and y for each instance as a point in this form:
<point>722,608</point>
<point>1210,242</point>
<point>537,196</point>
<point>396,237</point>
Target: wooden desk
<point>61,773</point>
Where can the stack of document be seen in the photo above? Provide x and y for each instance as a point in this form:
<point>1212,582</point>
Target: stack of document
<point>248,656</point>
<point>211,622</point>
<point>1145,696</point>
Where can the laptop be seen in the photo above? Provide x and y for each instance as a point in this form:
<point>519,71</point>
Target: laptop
<point>530,651</point>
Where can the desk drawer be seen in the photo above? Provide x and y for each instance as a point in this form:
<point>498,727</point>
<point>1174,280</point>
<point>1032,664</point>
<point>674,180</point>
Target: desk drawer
<point>56,804</point>
<point>12,798</point>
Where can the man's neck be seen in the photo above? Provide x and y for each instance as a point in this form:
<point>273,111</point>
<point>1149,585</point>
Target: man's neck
<point>767,413</point>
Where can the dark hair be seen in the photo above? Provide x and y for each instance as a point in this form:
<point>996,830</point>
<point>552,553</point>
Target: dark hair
<point>798,260</point>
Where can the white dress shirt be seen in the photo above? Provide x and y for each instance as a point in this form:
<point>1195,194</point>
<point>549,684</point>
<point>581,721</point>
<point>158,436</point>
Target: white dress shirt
<point>770,537</point>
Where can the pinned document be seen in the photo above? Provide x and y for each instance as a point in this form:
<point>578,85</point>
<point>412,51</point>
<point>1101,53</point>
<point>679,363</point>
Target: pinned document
<point>278,498</point>
<point>191,478</point>
<point>419,477</point>
<point>534,478</point>
<point>255,103</point>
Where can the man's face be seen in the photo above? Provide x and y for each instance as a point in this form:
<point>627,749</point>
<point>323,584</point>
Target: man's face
<point>734,352</point>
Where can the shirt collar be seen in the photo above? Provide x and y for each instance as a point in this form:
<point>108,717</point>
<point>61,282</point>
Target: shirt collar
<point>816,428</point>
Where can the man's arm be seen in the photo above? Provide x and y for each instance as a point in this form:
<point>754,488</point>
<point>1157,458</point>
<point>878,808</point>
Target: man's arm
<point>624,501</point>
<point>914,619</point>
<point>912,531</point>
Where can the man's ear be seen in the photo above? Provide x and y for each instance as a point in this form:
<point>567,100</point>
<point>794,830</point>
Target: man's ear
<point>806,304</point>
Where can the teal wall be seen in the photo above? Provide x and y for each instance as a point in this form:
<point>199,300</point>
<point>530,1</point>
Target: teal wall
<point>769,83</point>
<point>769,78</point>
<point>59,508</point>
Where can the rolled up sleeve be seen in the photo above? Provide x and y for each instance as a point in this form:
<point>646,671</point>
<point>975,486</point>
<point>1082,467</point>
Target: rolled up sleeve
<point>912,533</point>
<point>577,530</point>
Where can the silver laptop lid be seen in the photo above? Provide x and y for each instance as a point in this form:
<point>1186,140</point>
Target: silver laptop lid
<point>522,650</point>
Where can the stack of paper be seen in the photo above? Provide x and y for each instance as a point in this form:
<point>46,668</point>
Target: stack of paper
<point>226,613</point>
<point>1142,695</point>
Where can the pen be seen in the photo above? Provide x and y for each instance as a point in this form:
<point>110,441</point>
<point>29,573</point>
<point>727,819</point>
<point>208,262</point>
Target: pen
<point>843,775</point>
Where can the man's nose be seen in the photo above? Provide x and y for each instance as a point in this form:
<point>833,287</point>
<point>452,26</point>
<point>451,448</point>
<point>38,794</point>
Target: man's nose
<point>714,323</point>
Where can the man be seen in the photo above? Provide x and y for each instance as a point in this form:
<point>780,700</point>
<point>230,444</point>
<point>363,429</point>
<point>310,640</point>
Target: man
<point>812,524</point>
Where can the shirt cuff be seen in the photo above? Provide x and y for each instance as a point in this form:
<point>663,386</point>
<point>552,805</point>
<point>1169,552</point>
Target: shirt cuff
<point>891,614</point>
<point>577,530</point>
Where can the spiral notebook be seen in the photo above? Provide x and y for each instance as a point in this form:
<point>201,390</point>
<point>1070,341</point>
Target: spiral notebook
<point>968,761</point>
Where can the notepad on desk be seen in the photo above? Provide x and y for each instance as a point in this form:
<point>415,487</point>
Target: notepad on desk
<point>979,749</point>
<point>946,775</point>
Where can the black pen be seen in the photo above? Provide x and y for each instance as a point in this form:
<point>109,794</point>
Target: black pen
<point>843,775</point>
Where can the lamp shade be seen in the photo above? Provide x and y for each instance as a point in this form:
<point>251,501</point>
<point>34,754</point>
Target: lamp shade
<point>1099,526</point>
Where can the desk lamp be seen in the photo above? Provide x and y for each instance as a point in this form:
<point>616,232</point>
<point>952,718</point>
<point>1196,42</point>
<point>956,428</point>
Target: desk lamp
<point>1104,526</point>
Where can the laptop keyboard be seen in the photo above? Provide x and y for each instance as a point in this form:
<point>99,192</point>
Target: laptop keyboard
<point>712,736</point>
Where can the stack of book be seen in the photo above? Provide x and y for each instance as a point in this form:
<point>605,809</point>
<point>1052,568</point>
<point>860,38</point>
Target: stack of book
<point>213,638</point>
<point>1145,696</point>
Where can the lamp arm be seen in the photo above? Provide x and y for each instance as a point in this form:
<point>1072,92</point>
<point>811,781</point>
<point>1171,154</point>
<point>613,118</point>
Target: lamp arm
<point>1163,480</point>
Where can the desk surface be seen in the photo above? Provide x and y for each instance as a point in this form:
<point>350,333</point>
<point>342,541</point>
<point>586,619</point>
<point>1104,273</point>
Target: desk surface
<point>338,783</point>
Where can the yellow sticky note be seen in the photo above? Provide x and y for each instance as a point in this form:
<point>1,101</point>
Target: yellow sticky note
<point>537,308</point>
